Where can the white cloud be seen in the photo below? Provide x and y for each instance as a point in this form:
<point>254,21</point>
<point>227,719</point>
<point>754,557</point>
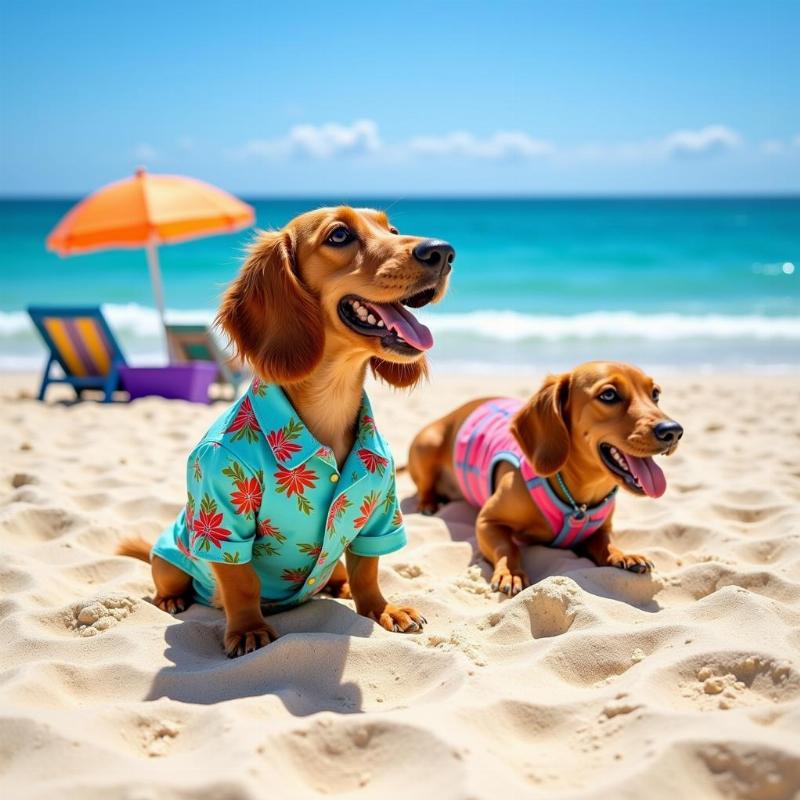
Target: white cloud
<point>145,153</point>
<point>363,138</point>
<point>332,139</point>
<point>317,141</point>
<point>500,145</point>
<point>706,141</point>
<point>778,147</point>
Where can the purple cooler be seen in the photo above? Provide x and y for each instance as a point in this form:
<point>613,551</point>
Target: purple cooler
<point>175,382</point>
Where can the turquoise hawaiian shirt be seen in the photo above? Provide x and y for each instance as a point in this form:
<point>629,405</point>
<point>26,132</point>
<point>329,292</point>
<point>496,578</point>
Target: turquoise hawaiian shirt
<point>262,490</point>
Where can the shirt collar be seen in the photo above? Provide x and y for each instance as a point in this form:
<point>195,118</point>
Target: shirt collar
<point>290,441</point>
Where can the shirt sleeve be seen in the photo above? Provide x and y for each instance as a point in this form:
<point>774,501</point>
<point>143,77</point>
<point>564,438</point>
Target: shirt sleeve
<point>382,530</point>
<point>224,496</point>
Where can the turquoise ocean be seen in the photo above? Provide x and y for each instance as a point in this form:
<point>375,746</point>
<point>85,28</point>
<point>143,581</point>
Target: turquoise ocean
<point>689,284</point>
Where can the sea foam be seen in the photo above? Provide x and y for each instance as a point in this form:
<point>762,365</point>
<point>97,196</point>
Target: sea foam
<point>474,337</point>
<point>141,322</point>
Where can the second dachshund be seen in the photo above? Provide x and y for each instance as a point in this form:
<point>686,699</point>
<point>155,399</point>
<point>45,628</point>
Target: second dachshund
<point>547,471</point>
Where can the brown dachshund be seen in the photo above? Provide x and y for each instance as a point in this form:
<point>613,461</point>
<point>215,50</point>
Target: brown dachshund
<point>546,471</point>
<point>314,306</point>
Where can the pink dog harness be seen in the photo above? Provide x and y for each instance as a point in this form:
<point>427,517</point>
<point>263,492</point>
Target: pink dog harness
<point>484,440</point>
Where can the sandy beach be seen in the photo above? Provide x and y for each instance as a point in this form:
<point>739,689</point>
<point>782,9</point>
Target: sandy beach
<point>591,683</point>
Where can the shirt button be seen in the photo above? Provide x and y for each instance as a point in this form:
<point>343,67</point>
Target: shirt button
<point>334,477</point>
<point>312,581</point>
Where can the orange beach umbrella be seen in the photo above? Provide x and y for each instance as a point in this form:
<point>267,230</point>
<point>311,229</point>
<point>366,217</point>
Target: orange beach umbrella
<point>146,211</point>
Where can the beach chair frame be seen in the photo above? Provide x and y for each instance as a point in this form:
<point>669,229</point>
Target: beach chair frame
<point>180,336</point>
<point>107,383</point>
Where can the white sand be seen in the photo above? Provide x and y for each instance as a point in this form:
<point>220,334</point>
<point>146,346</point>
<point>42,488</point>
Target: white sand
<point>591,683</point>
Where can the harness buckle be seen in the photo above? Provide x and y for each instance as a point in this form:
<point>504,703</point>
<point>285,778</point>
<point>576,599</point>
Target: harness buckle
<point>580,511</point>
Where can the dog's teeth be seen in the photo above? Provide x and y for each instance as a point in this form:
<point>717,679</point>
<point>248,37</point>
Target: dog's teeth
<point>355,304</point>
<point>380,323</point>
<point>371,319</point>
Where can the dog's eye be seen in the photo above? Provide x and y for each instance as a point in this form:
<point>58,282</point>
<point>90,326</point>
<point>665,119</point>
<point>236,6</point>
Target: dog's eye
<point>340,236</point>
<point>609,395</point>
<point>656,395</point>
<point>393,230</point>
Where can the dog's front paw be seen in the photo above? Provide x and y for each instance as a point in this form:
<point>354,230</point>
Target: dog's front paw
<point>173,605</point>
<point>238,642</point>
<point>630,561</point>
<point>508,581</point>
<point>400,619</point>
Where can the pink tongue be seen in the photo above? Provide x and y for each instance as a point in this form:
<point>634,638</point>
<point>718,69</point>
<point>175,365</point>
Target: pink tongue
<point>399,319</point>
<point>649,475</point>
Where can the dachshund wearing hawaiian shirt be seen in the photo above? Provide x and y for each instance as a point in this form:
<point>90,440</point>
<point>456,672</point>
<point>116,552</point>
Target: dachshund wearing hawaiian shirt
<point>547,471</point>
<point>295,474</point>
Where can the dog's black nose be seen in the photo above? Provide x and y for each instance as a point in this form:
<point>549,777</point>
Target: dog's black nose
<point>668,431</point>
<point>435,253</point>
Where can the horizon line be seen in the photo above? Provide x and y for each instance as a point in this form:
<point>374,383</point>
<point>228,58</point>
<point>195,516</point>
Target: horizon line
<point>289,196</point>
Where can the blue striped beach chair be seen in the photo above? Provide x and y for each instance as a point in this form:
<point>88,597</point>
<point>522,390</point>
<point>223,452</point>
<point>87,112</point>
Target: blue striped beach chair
<point>82,344</point>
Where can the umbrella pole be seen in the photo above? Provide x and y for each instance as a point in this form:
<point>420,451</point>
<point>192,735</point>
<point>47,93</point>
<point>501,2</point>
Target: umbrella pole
<point>158,292</point>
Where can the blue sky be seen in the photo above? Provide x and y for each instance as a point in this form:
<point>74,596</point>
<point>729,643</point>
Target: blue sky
<point>399,99</point>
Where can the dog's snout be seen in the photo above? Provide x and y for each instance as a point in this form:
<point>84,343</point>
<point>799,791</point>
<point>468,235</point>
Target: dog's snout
<point>435,253</point>
<point>668,431</point>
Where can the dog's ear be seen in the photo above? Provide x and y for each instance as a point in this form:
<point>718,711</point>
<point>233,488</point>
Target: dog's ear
<point>541,429</point>
<point>271,318</point>
<point>400,375</point>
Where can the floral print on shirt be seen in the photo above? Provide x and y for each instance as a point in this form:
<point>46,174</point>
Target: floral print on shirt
<point>262,490</point>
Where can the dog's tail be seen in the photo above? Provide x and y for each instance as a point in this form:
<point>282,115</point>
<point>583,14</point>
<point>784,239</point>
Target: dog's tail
<point>135,547</point>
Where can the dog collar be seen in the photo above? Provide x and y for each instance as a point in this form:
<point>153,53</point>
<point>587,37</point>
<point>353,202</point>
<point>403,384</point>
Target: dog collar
<point>581,509</point>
